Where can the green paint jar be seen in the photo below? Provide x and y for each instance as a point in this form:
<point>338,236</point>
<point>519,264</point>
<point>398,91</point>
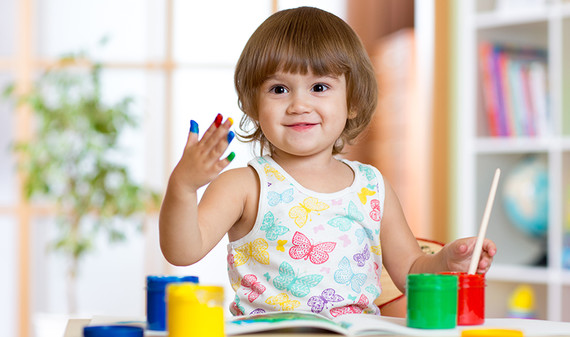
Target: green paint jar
<point>432,301</point>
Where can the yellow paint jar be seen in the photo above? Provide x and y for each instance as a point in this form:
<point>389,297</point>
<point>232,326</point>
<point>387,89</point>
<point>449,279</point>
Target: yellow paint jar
<point>194,310</point>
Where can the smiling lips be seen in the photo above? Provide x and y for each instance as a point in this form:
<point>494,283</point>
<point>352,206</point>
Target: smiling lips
<point>301,126</point>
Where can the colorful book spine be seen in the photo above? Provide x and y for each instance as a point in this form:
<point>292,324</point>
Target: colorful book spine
<point>514,86</point>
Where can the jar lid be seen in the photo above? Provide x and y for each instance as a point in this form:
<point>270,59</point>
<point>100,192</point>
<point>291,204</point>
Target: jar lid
<point>113,331</point>
<point>160,282</point>
<point>438,281</point>
<point>184,291</point>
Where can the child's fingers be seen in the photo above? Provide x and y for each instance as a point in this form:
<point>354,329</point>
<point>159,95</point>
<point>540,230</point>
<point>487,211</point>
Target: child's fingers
<point>193,134</point>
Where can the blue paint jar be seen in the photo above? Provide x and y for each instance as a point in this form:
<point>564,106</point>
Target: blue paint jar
<point>112,331</point>
<point>155,299</point>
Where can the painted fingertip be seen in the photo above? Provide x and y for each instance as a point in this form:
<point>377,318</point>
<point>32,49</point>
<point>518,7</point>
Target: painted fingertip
<point>231,121</point>
<point>193,126</point>
<point>231,156</point>
<point>231,136</point>
<point>218,120</point>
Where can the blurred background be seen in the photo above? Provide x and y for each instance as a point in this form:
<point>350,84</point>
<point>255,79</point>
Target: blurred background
<point>465,87</point>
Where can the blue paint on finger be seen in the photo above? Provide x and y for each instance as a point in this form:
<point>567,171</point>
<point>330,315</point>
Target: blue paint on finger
<point>193,126</point>
<point>231,136</point>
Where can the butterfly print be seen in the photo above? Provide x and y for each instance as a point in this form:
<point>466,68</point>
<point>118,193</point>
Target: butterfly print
<point>356,308</point>
<point>364,193</point>
<point>255,287</point>
<point>344,223</point>
<point>318,303</point>
<point>345,275</point>
<point>301,213</point>
<point>257,311</point>
<point>281,245</point>
<point>283,301</point>
<point>299,286</point>
<point>376,249</point>
<point>271,170</point>
<point>361,258</point>
<point>368,172</point>
<point>256,250</point>
<point>276,198</point>
<point>345,240</point>
<point>375,213</point>
<point>302,248</point>
<point>363,233</point>
<point>318,228</point>
<point>270,226</point>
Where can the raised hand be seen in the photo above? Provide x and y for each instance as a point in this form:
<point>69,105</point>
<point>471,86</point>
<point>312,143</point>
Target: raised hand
<point>200,162</point>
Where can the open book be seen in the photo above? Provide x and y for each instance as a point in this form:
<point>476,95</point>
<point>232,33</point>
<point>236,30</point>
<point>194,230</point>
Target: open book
<point>347,325</point>
<point>366,325</point>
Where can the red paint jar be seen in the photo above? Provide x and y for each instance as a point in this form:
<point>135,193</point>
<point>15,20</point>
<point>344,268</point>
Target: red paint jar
<point>470,298</point>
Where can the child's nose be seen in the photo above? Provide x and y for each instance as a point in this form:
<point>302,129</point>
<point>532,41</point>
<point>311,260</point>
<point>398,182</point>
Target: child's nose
<point>299,104</point>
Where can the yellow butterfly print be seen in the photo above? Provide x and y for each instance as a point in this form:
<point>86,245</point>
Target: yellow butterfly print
<point>235,282</point>
<point>270,169</point>
<point>301,213</point>
<point>376,249</point>
<point>281,245</point>
<point>256,250</point>
<point>365,192</point>
<point>283,301</point>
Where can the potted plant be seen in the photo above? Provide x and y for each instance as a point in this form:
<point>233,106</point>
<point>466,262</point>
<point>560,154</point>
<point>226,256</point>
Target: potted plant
<point>71,162</point>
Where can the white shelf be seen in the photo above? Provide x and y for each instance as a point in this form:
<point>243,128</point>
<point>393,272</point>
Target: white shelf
<point>546,26</point>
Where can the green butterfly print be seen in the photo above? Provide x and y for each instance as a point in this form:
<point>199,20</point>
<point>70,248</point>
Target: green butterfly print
<point>297,286</point>
<point>273,230</point>
<point>344,222</point>
<point>367,172</point>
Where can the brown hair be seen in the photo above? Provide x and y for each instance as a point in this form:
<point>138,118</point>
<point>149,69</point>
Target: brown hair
<point>300,40</point>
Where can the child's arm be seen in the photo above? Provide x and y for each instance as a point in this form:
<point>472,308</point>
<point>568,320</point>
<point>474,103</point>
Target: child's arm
<point>188,231</point>
<point>401,254</point>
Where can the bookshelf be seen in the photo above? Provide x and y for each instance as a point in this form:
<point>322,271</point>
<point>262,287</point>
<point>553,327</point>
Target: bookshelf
<point>528,25</point>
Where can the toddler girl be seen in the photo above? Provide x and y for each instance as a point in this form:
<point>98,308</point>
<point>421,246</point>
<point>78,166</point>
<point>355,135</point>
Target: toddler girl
<point>307,231</point>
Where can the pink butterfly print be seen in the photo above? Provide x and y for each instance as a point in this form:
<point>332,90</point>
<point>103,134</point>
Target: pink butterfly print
<point>230,259</point>
<point>325,270</point>
<point>235,309</point>
<point>345,240</point>
<point>356,308</point>
<point>255,288</point>
<point>302,248</point>
<point>361,258</point>
<point>336,202</point>
<point>319,228</point>
<point>318,303</point>
<point>375,213</point>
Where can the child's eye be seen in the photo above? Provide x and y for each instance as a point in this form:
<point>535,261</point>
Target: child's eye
<point>278,89</point>
<point>320,87</point>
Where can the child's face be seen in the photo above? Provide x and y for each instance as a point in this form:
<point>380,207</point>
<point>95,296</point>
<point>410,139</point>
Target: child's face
<point>302,114</point>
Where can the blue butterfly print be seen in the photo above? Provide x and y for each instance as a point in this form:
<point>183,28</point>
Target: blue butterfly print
<point>275,198</point>
<point>345,275</point>
<point>344,223</point>
<point>362,233</point>
<point>373,290</point>
<point>273,230</point>
<point>299,286</point>
<point>361,258</point>
<point>368,172</point>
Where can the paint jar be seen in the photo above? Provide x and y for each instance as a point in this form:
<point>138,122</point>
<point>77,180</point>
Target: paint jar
<point>155,299</point>
<point>194,310</point>
<point>432,301</point>
<point>113,331</point>
<point>470,298</point>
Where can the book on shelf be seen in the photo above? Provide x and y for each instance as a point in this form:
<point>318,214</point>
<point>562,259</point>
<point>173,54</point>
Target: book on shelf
<point>514,87</point>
